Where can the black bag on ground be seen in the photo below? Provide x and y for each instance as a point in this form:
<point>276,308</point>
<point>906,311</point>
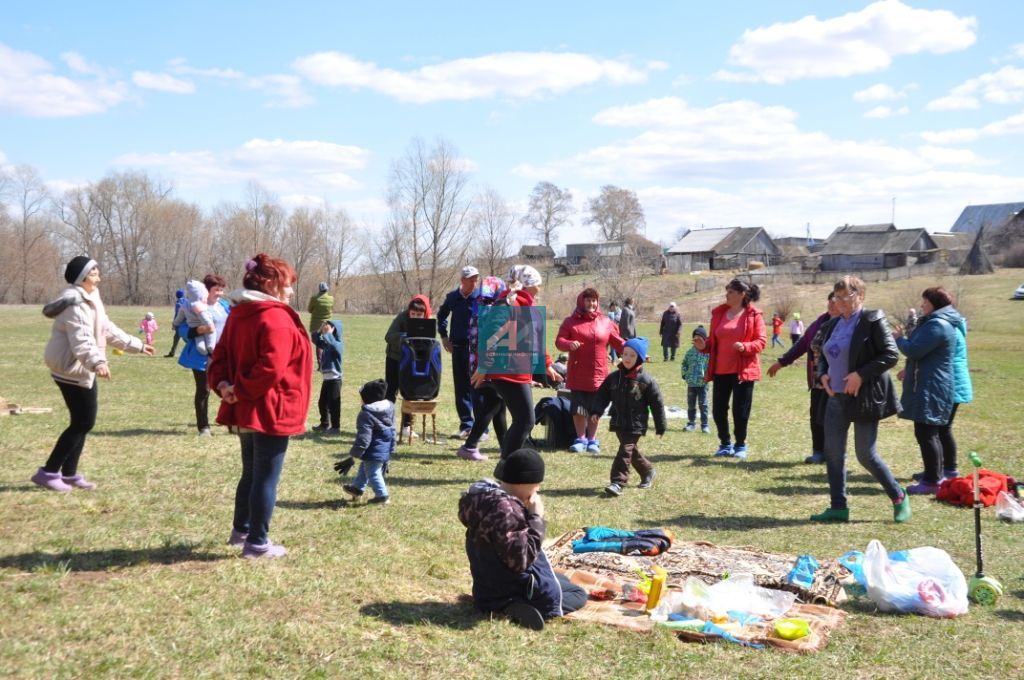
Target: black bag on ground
<point>556,415</point>
<point>419,369</point>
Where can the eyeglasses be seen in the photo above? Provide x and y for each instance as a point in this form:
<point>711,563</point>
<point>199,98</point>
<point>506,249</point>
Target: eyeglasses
<point>846,298</point>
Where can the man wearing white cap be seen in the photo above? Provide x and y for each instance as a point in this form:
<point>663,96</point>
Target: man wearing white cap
<point>459,305</point>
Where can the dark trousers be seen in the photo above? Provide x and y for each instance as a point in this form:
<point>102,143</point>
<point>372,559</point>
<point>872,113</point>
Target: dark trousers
<point>818,400</point>
<point>391,378</point>
<point>695,396</point>
<point>465,400</point>
<point>865,444</point>
<point>329,403</point>
<point>82,403</point>
<point>627,455</point>
<point>174,343</point>
<point>202,400</point>
<point>666,351</point>
<point>518,397</point>
<point>938,448</point>
<point>256,494</point>
<point>742,394</point>
<point>794,338</point>
<point>491,409</point>
<point>573,596</point>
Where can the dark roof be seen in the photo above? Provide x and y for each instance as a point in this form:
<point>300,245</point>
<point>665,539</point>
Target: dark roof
<point>739,239</point>
<point>876,242</point>
<point>865,228</point>
<point>947,241</point>
<point>537,251</point>
<point>974,217</point>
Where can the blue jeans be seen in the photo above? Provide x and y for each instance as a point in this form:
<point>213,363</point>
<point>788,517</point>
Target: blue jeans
<point>695,395</point>
<point>372,472</point>
<point>865,439</point>
<point>262,461</point>
<point>465,401</point>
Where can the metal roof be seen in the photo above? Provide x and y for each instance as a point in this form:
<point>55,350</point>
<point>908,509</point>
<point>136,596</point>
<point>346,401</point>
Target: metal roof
<point>974,217</point>
<point>868,243</point>
<point>702,240</point>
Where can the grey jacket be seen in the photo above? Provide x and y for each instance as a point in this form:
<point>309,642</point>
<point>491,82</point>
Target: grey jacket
<point>627,323</point>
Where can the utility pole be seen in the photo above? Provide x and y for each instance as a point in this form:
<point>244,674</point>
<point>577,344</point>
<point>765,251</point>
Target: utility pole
<point>894,211</point>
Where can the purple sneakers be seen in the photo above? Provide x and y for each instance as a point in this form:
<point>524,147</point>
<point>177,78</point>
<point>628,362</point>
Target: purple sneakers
<point>237,538</point>
<point>268,549</point>
<point>50,480</point>
<point>923,488</point>
<point>466,453</point>
<point>78,481</point>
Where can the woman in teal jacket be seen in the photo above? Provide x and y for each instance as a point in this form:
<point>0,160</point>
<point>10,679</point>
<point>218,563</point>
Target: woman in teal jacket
<point>935,382</point>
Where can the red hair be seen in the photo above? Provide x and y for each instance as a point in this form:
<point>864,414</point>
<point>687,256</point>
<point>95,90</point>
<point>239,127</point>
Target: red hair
<point>268,274</point>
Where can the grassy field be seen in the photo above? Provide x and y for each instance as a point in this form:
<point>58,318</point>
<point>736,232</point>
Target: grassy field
<point>134,579</point>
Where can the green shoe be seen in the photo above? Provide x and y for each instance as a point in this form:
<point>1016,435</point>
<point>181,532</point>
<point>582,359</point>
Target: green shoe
<point>832,515</point>
<point>901,511</point>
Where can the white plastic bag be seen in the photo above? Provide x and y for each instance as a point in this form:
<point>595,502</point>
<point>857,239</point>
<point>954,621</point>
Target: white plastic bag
<point>738,594</point>
<point>1009,508</point>
<point>925,582</point>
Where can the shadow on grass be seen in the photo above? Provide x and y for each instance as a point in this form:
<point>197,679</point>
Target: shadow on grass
<point>456,615</point>
<point>329,504</point>
<point>1010,615</point>
<point>141,431</point>
<point>749,465</point>
<point>864,477</point>
<point>578,492</point>
<point>728,522</point>
<point>7,488</point>
<point>817,490</point>
<point>344,437</point>
<point>101,560</point>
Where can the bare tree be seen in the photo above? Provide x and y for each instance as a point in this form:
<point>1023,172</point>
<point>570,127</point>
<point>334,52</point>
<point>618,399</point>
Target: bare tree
<point>343,245</point>
<point>302,244</point>
<point>82,229</point>
<point>428,230</point>
<point>495,220</point>
<point>179,243</point>
<point>621,276</point>
<point>617,213</point>
<point>30,228</point>
<point>550,208</point>
<point>265,219</point>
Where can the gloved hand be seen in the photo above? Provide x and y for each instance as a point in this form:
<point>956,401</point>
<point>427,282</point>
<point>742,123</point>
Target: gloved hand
<point>344,465</point>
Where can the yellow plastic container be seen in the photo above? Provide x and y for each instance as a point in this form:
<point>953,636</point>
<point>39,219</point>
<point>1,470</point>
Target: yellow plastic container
<point>657,587</point>
<point>792,629</point>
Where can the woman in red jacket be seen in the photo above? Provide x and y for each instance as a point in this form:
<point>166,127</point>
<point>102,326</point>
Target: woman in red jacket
<point>735,341</point>
<point>262,369</point>
<point>586,335</point>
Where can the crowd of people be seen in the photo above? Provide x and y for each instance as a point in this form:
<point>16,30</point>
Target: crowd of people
<point>252,349</point>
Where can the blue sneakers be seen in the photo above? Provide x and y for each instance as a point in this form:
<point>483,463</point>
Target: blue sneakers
<point>593,446</point>
<point>724,450</point>
<point>740,451</point>
<point>579,446</point>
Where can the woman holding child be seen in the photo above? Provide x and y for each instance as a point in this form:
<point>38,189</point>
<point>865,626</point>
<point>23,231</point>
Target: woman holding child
<point>262,369</point>
<point>190,358</point>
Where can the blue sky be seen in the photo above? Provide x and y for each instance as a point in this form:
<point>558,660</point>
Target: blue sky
<point>744,113</point>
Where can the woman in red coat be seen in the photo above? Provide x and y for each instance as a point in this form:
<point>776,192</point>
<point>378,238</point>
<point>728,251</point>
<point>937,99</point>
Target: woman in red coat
<point>262,369</point>
<point>735,341</point>
<point>586,335</point>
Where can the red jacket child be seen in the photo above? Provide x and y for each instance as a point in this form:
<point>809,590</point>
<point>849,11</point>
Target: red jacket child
<point>754,341</point>
<point>265,353</point>
<point>588,363</point>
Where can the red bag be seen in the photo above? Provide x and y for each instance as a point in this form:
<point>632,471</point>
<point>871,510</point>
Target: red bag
<point>960,490</point>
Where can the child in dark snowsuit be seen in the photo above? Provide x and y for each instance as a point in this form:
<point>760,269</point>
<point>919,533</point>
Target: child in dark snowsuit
<point>505,527</point>
<point>632,393</point>
<point>329,344</point>
<point>375,442</point>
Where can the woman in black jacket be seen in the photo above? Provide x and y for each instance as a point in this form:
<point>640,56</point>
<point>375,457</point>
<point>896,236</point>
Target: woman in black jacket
<point>857,353</point>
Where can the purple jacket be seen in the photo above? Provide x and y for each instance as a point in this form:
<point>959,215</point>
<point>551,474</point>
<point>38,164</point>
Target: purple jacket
<point>803,346</point>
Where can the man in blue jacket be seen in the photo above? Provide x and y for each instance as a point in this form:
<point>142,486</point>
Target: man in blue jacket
<point>459,304</point>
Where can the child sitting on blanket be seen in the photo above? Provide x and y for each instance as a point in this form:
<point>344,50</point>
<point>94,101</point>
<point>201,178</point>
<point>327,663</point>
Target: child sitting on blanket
<point>505,527</point>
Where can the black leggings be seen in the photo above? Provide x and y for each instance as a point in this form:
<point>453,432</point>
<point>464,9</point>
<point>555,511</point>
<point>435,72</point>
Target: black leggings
<point>329,404</point>
<point>82,403</point>
<point>391,378</point>
<point>938,448</point>
<point>518,397</point>
<point>202,400</point>
<point>742,394</point>
<point>492,410</point>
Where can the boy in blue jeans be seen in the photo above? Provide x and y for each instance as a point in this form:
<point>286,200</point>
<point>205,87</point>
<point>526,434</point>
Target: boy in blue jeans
<point>375,442</point>
<point>695,365</point>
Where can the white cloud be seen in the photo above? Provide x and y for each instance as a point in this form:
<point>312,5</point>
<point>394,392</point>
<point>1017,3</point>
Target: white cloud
<point>28,86</point>
<point>941,155</point>
<point>181,66</point>
<point>881,92</point>
<point>857,42</point>
<point>886,112</point>
<point>79,64</point>
<point>1013,125</point>
<point>288,167</point>
<point>507,74</point>
<point>162,82</point>
<point>1005,86</point>
<point>285,91</point>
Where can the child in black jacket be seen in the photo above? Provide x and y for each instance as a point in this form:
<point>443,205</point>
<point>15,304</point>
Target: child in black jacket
<point>632,394</point>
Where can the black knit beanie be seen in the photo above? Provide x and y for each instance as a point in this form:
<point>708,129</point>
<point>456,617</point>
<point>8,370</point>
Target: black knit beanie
<point>375,390</point>
<point>78,268</point>
<point>701,331</point>
<point>523,466</point>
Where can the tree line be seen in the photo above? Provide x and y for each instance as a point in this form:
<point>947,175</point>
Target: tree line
<point>149,242</point>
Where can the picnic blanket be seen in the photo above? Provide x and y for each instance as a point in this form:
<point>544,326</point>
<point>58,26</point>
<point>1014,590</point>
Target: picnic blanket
<point>708,562</point>
<point>605,574</point>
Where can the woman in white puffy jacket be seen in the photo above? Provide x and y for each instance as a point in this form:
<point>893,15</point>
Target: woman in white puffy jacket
<point>75,355</point>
